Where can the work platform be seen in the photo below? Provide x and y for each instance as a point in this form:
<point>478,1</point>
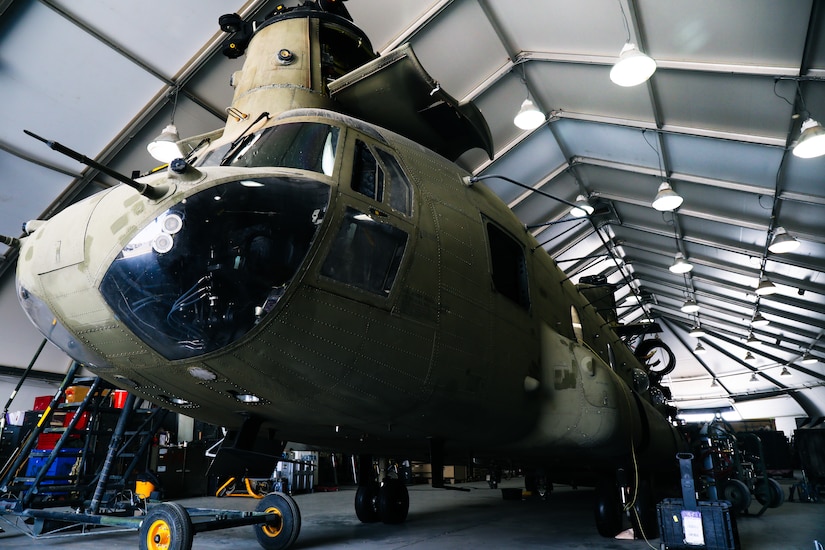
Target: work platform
<point>77,472</point>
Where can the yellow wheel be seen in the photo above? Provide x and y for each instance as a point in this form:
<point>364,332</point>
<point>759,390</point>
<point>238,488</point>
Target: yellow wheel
<point>273,529</point>
<point>282,528</point>
<point>159,535</point>
<point>166,527</point>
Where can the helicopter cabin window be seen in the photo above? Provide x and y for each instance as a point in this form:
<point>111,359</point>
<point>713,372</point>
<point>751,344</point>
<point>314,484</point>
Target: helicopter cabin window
<point>377,177</point>
<point>509,268</point>
<point>366,253</point>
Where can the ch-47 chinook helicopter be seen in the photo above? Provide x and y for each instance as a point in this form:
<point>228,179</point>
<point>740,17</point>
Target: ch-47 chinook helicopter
<point>320,268</point>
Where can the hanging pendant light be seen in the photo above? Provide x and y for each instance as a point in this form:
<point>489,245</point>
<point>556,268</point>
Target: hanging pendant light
<point>759,320</point>
<point>666,198</point>
<point>633,67</point>
<point>165,146</point>
<point>749,356</point>
<point>583,207</point>
<point>754,378</point>
<point>782,242</point>
<point>753,340</point>
<point>714,383</point>
<point>808,358</point>
<point>697,331</point>
<point>699,349</point>
<point>811,142</point>
<point>528,117</point>
<point>680,265</point>
<point>690,306</point>
<point>765,287</point>
<point>785,372</point>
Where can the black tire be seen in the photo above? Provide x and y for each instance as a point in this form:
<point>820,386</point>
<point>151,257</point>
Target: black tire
<point>644,519</point>
<point>656,371</point>
<point>772,493</point>
<point>393,501</point>
<point>738,494</point>
<point>608,509</point>
<point>283,531</point>
<point>166,527</point>
<point>366,503</point>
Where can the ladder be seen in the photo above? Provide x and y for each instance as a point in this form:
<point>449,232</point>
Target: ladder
<point>90,465</point>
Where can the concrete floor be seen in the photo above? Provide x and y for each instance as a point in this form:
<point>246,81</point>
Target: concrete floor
<point>478,518</point>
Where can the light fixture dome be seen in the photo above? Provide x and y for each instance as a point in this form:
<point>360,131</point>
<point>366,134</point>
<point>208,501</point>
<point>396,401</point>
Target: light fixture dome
<point>690,306</point>
<point>765,287</point>
<point>528,117</point>
<point>785,372</point>
<point>583,207</point>
<point>697,331</point>
<point>759,320</point>
<point>633,67</point>
<point>680,265</point>
<point>165,147</point>
<point>808,358</point>
<point>666,198</point>
<point>811,142</point>
<point>749,357</point>
<point>782,242</point>
<point>699,349</point>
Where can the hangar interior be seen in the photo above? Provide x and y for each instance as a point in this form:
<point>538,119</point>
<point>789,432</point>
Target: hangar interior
<point>718,119</point>
<point>736,85</point>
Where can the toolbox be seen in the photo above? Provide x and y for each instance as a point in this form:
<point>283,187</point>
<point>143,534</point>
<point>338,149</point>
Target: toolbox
<point>688,524</point>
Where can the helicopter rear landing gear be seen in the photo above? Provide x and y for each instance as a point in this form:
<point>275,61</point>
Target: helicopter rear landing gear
<point>388,501</point>
<point>393,501</point>
<point>615,498</point>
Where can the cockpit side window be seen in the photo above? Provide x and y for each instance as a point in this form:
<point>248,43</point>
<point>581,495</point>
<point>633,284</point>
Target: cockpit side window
<point>367,175</point>
<point>399,186</point>
<point>377,174</point>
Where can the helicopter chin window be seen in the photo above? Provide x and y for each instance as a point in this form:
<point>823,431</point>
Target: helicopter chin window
<point>205,272</point>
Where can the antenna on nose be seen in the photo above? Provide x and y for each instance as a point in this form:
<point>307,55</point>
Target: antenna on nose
<point>148,191</point>
<point>11,241</point>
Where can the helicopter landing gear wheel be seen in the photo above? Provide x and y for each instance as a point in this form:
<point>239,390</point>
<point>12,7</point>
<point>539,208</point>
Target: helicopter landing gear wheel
<point>166,527</point>
<point>643,516</point>
<point>608,509</point>
<point>282,531</point>
<point>393,501</point>
<point>366,503</point>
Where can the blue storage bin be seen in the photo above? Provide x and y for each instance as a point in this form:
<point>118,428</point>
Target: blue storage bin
<point>59,471</point>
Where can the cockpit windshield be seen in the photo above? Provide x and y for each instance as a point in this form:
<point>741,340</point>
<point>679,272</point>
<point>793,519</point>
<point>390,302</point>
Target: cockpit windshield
<point>302,145</point>
<point>203,273</point>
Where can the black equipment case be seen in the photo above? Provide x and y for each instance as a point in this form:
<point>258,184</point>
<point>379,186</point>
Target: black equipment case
<point>686,524</point>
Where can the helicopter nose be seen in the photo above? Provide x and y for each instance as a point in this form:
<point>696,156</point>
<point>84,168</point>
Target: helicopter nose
<point>207,270</point>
